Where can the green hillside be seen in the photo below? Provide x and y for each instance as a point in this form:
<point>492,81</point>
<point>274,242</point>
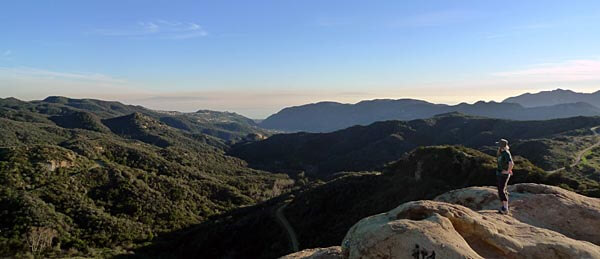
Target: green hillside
<point>321,213</point>
<point>99,185</point>
<point>85,113</point>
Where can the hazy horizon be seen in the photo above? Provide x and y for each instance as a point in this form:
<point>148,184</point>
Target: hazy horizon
<point>167,108</point>
<point>255,58</point>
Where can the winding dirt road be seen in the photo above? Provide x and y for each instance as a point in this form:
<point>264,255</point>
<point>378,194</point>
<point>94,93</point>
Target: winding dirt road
<point>290,230</point>
<point>581,153</point>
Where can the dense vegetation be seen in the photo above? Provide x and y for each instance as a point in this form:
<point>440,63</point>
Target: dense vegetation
<point>323,212</point>
<point>96,178</point>
<point>75,181</point>
<point>362,148</point>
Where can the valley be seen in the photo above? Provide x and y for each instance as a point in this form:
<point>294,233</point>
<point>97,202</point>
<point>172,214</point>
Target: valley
<point>115,180</point>
<point>299,129</point>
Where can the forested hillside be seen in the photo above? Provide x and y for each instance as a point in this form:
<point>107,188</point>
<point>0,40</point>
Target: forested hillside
<point>96,182</point>
<point>321,213</point>
<point>550,144</point>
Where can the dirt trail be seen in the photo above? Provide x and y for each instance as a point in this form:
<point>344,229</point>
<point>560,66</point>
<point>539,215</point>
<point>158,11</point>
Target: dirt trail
<point>581,153</point>
<point>288,227</point>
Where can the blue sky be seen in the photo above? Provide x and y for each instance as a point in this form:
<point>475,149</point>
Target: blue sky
<point>256,57</point>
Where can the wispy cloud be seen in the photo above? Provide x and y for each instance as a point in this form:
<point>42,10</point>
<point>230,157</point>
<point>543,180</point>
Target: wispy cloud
<point>437,18</point>
<point>331,22</point>
<point>566,71</point>
<point>6,55</point>
<point>535,26</point>
<point>519,30</point>
<point>161,29</point>
<point>496,35</point>
<point>27,72</point>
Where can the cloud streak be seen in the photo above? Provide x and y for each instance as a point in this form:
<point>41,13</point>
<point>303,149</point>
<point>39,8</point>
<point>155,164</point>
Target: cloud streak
<point>6,55</point>
<point>437,18</point>
<point>567,71</point>
<point>159,29</point>
<point>27,72</point>
<point>520,30</point>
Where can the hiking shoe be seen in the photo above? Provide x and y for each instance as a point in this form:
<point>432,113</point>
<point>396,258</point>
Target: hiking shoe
<point>503,210</point>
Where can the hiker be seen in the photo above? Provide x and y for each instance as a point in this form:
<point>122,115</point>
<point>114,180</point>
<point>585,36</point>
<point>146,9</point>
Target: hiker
<point>503,172</point>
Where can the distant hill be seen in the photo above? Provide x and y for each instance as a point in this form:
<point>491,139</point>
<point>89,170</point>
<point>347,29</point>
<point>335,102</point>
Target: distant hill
<point>370,147</point>
<point>554,97</point>
<point>331,116</point>
<point>85,114</point>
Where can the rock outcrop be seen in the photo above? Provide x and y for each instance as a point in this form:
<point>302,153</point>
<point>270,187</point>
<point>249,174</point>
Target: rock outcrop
<point>333,252</point>
<point>545,222</point>
<point>573,215</point>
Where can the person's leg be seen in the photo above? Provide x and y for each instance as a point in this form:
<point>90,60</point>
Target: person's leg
<point>505,191</point>
<point>500,185</point>
<point>502,180</point>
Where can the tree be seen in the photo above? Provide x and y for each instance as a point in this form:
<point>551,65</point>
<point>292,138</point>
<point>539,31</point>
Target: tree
<point>40,238</point>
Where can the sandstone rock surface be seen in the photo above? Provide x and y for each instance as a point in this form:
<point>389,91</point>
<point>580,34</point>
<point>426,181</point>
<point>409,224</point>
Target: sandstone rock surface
<point>545,222</point>
<point>550,207</point>
<point>334,252</point>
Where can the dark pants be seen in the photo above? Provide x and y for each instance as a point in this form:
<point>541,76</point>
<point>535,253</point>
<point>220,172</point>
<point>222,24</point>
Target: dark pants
<point>502,183</point>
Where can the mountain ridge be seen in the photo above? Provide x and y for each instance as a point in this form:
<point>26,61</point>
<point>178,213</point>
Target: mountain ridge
<point>227,126</point>
<point>554,97</point>
<point>331,116</point>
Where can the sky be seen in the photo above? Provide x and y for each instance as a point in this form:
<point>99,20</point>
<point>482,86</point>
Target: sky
<point>257,57</point>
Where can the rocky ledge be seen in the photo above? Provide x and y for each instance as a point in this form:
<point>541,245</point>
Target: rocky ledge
<point>545,222</point>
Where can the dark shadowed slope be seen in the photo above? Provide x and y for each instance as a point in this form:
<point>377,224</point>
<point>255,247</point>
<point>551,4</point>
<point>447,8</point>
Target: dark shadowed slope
<point>370,147</point>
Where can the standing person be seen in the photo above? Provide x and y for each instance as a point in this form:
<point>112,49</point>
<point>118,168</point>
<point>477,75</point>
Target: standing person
<point>503,172</point>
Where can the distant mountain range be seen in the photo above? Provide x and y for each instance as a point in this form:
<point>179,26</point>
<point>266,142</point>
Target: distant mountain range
<point>554,97</point>
<point>331,116</point>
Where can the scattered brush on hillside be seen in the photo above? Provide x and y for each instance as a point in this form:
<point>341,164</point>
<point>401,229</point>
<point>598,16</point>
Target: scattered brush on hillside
<point>92,185</point>
<point>322,213</point>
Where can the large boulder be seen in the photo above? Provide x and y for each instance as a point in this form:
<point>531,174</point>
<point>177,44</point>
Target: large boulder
<point>545,222</point>
<point>433,229</point>
<point>573,215</point>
